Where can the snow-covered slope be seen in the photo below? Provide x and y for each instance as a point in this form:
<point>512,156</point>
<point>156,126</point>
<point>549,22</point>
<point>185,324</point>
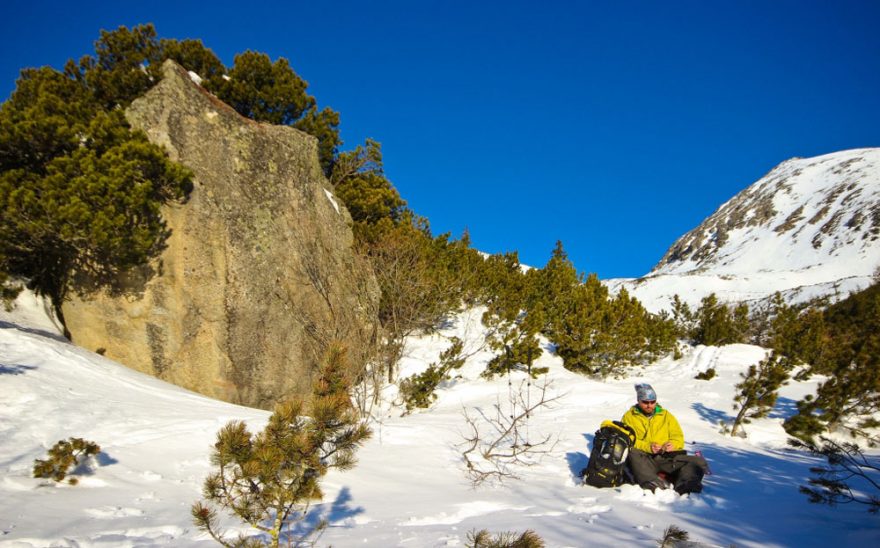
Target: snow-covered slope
<point>810,227</point>
<point>409,489</point>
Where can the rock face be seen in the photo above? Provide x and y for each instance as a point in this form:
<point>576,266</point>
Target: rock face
<point>258,276</point>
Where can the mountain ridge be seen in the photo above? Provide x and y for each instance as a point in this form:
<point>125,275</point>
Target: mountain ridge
<point>809,228</point>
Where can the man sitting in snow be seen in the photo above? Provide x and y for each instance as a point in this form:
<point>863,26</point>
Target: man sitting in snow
<point>659,447</point>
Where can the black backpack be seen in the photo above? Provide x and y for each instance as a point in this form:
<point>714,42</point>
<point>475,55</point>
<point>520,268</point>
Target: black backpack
<point>611,445</point>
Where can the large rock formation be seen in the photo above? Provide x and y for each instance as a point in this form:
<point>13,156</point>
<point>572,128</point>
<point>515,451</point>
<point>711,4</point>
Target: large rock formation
<point>258,276</point>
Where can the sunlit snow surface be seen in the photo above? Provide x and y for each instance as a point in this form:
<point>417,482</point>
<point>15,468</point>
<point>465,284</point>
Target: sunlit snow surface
<point>409,488</point>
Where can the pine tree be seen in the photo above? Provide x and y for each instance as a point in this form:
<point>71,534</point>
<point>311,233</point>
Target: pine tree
<point>358,178</point>
<point>553,286</point>
<point>717,326</point>
<point>756,394</point>
<point>80,193</point>
<point>194,56</point>
<point>418,391</point>
<point>846,348</point>
<point>683,318</point>
<point>512,318</point>
<point>270,478</point>
<point>118,74</point>
<point>576,328</point>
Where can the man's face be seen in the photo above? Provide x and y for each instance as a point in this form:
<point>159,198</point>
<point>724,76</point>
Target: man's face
<point>647,406</point>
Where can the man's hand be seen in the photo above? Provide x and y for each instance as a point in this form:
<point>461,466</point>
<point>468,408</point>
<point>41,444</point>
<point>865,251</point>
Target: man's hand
<point>657,448</point>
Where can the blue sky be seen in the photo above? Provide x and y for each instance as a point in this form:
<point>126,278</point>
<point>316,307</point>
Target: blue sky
<point>612,126</point>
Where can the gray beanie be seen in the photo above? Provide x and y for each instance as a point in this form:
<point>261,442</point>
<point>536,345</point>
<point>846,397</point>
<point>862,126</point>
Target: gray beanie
<point>644,392</point>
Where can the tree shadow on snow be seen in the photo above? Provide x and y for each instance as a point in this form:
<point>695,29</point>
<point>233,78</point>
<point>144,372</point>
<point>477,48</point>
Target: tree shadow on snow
<point>15,369</point>
<point>752,496</point>
<point>784,408</point>
<point>335,514</point>
<point>577,461</point>
<point>33,331</point>
<point>104,459</point>
<point>712,416</point>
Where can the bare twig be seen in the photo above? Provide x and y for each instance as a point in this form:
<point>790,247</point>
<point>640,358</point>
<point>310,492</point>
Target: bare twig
<point>496,443</point>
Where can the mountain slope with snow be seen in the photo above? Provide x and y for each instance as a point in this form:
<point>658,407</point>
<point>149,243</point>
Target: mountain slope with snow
<point>808,228</point>
<point>409,488</point>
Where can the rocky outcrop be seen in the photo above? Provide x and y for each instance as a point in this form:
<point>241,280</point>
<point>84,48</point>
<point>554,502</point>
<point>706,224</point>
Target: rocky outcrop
<point>258,276</point>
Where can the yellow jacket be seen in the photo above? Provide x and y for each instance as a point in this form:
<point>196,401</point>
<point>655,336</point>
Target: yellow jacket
<point>658,428</point>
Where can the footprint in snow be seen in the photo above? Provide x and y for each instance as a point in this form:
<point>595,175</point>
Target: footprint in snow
<point>587,505</point>
<point>109,512</point>
<point>150,476</point>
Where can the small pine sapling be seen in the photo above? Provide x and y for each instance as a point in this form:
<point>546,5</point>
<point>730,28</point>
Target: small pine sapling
<point>756,394</point>
<point>417,391</point>
<point>72,452</point>
<point>269,479</point>
<point>672,535</point>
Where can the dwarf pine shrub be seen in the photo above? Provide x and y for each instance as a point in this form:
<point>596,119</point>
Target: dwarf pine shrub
<point>485,539</point>
<point>417,391</point>
<point>64,455</point>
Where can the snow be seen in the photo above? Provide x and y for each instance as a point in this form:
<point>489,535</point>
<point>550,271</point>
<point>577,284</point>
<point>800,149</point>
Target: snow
<point>409,488</point>
<point>824,251</point>
<point>332,200</point>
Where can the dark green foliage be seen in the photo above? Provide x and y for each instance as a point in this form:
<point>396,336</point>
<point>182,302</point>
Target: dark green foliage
<point>324,125</point>
<point>272,92</point>
<point>756,394</point>
<point>118,73</point>
<point>265,91</point>
<point>42,120</point>
<point>594,333</point>
<point>417,391</point>
<point>846,343</point>
<point>359,180</point>
<point>683,318</point>
<point>601,336</point>
<point>706,375</point>
<point>269,479</point>
<point>80,193</point>
<point>716,325</point>
<point>485,539</point>
<point>795,332</point>
<point>516,343</point>
<point>65,454</point>
<point>193,56</point>
<point>850,476</point>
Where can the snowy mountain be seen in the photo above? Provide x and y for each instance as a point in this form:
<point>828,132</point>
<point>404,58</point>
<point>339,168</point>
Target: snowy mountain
<point>409,488</point>
<point>810,227</point>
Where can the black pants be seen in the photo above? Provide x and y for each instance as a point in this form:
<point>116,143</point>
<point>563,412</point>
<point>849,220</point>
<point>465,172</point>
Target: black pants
<point>684,471</point>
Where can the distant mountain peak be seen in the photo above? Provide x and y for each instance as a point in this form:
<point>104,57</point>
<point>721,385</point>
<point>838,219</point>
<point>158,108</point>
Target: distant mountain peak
<point>799,216</point>
<point>809,228</point>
